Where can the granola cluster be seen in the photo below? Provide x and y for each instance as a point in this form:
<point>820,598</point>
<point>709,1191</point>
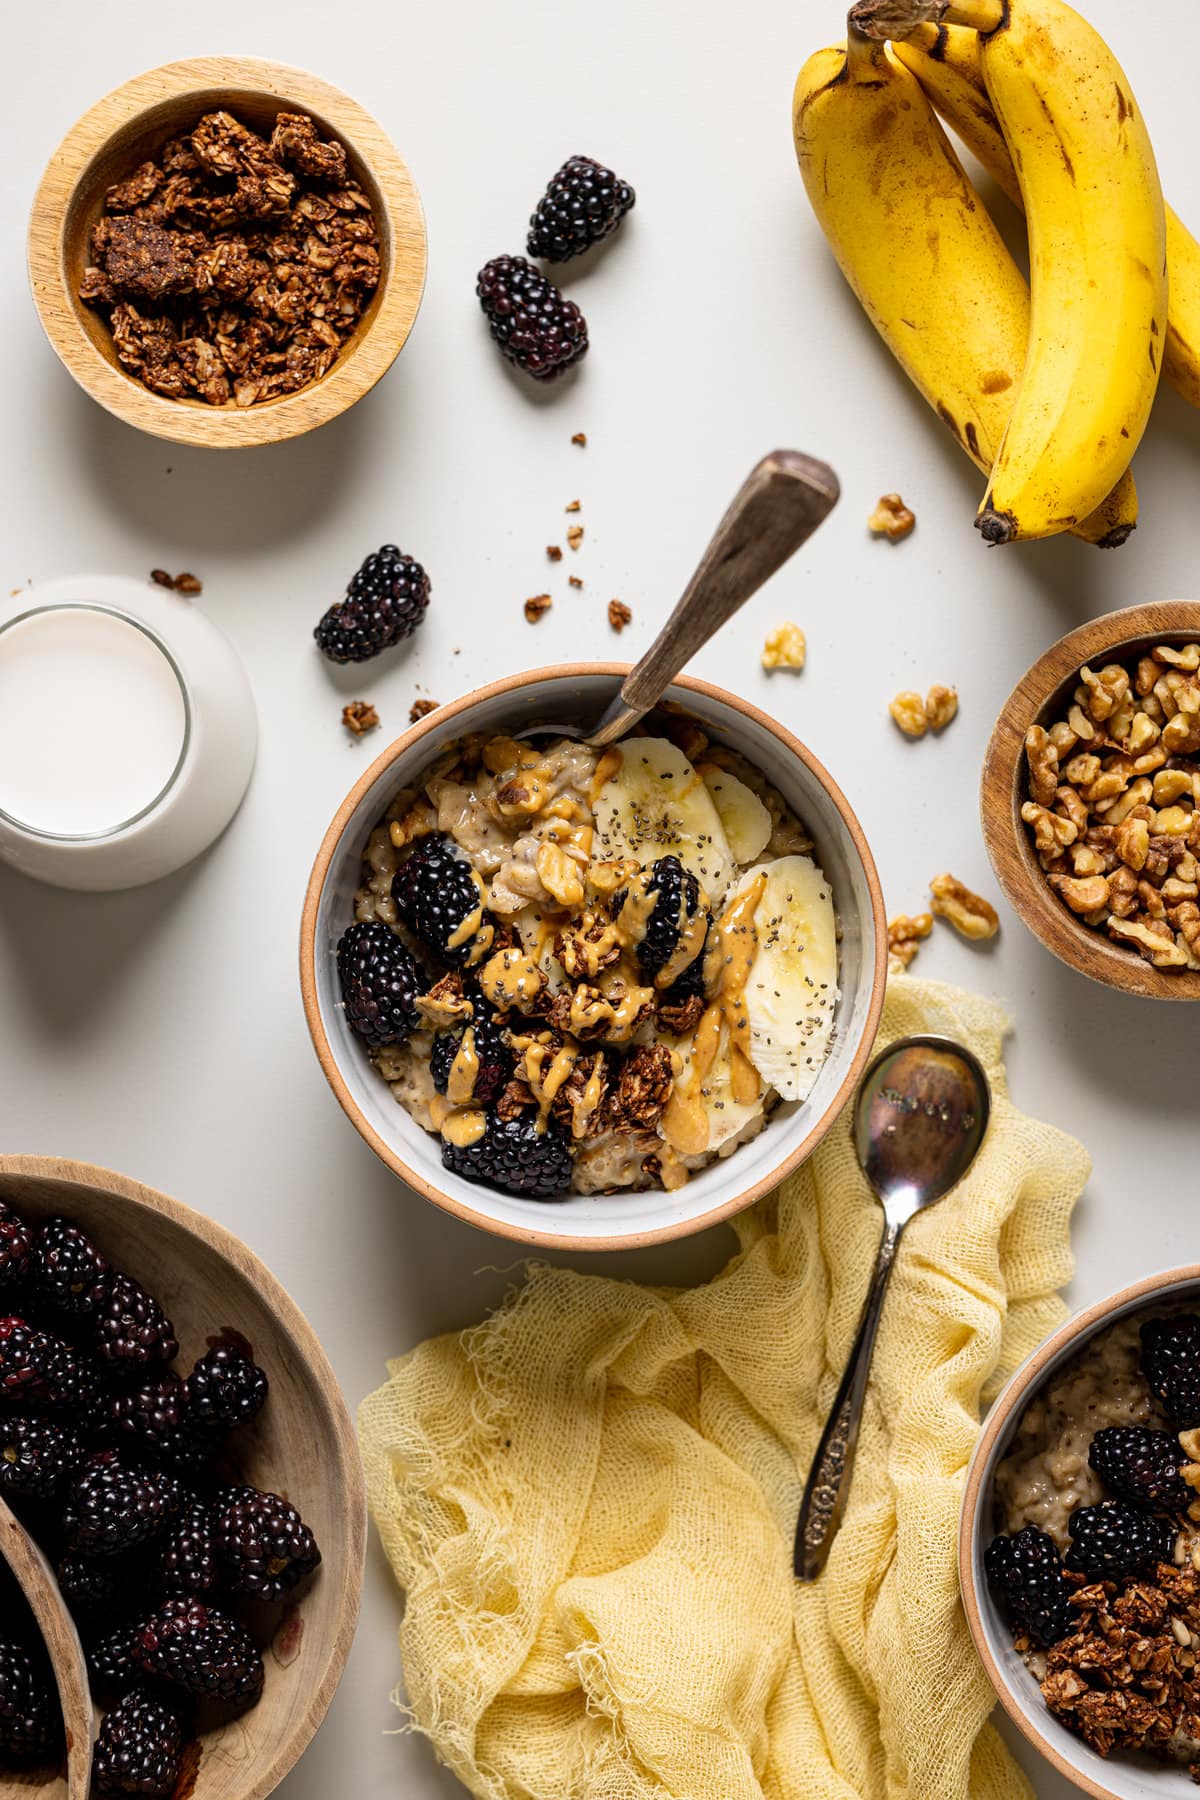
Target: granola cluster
<point>233,267</point>
<point>1126,1678</point>
<point>1114,804</point>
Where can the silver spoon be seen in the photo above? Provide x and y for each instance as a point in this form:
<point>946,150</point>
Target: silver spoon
<point>920,1116</point>
<point>777,509</point>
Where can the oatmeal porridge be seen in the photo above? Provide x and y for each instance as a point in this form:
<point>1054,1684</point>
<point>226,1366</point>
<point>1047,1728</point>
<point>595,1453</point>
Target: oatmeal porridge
<point>588,971</point>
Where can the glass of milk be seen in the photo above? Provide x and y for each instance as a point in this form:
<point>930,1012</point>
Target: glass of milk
<point>127,732</point>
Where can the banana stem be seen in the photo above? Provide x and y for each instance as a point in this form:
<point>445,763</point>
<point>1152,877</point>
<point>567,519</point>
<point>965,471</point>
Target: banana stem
<point>865,57</point>
<point>899,19</point>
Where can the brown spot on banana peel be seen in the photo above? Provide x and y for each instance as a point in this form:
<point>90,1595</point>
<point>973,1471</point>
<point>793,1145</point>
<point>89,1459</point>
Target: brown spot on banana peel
<point>1068,165</point>
<point>973,441</point>
<point>997,381</point>
<point>1124,105</point>
<point>948,418</point>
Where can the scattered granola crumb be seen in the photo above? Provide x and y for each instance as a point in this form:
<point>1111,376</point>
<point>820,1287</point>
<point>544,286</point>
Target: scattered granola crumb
<point>421,709</point>
<point>536,605</point>
<point>554,552</point>
<point>188,584</point>
<point>619,615</point>
<point>575,581</point>
<point>359,716</point>
<point>580,437</point>
<point>891,519</point>
<point>785,648</point>
<point>574,506</point>
<point>574,536</point>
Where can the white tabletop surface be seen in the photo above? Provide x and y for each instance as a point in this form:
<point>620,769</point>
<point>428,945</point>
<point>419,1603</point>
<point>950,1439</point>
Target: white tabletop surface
<point>160,1032</point>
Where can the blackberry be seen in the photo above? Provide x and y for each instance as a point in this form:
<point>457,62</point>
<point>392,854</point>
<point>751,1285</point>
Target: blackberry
<point>92,1586</point>
<point>491,1046</point>
<point>184,1559</point>
<point>226,1388</point>
<point>16,1242</point>
<point>30,1722</point>
<point>66,1271</point>
<point>678,899</point>
<point>262,1544</point>
<point>1114,1539</point>
<point>380,979</point>
<point>40,1372</point>
<point>1171,1364</point>
<point>384,604</point>
<point>201,1650</point>
<point>132,1333</point>
<point>1141,1466</point>
<point>36,1456</point>
<point>140,1747</point>
<point>513,1155</point>
<point>1027,1572</point>
<point>156,1420</point>
<point>113,1506</point>
<point>533,323</point>
<point>436,892</point>
<point>583,204</point>
<point>110,1659</point>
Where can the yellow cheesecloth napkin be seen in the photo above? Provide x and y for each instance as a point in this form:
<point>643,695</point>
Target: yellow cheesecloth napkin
<point>589,1499</point>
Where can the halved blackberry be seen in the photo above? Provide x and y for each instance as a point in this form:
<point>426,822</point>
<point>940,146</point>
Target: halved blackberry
<point>533,323</point>
<point>131,1332</point>
<point>201,1650</point>
<point>112,1506</point>
<point>16,1242</point>
<point>183,1560</point>
<point>261,1543</point>
<point>110,1658</point>
<point>436,894</point>
<point>140,1747</point>
<point>512,1154</point>
<point>39,1372</point>
<point>1115,1539</point>
<point>66,1271</point>
<point>36,1456</point>
<point>493,1052</point>
<point>582,205</point>
<point>1171,1364</point>
<point>678,900</point>
<point>380,979</point>
<point>226,1388</point>
<point>384,604</point>
<point>1027,1572</point>
<point>30,1721</point>
<point>1141,1466</point>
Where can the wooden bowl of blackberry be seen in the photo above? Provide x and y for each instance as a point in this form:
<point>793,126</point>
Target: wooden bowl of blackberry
<point>183,1496</point>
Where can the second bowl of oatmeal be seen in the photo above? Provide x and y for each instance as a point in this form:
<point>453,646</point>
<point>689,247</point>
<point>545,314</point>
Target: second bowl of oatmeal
<point>593,999</point>
<point>1079,1554</point>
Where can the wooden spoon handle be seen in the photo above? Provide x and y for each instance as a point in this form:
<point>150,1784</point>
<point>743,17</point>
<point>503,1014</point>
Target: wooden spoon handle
<point>37,1583</point>
<point>777,509</point>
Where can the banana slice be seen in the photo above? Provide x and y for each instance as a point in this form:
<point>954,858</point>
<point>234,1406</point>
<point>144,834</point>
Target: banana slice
<point>746,821</point>
<point>792,988</point>
<point>703,1112</point>
<point>657,805</point>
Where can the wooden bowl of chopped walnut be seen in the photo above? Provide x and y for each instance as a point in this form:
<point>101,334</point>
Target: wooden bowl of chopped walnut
<point>1091,800</point>
<point>227,252</point>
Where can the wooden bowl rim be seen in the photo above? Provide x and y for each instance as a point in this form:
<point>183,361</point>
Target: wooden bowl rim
<point>29,1567</point>
<point>662,1234</point>
<point>1014,1394</point>
<point>309,1351</point>
<point>1001,795</point>
<point>229,427</point>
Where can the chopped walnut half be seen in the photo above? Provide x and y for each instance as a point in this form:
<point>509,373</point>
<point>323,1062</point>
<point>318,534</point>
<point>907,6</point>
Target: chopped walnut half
<point>619,615</point>
<point>891,519</point>
<point>536,605</point>
<point>786,647</point>
<point>941,705</point>
<point>904,939</point>
<point>359,716</point>
<point>1114,802</point>
<point>970,914</point>
<point>908,712</point>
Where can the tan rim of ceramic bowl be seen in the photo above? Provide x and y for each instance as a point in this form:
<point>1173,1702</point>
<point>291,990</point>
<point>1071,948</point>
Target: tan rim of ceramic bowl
<point>739,1198</point>
<point>1011,1402</point>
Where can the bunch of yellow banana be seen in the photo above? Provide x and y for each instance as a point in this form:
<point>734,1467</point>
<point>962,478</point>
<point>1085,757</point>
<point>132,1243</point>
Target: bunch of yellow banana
<point>1051,393</point>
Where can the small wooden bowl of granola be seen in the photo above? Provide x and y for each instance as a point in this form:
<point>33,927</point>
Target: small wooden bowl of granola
<point>1094,832</point>
<point>305,328</point>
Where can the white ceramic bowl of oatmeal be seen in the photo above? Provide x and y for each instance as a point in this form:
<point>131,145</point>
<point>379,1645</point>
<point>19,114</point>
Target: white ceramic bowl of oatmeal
<point>1030,1468</point>
<point>734,1177</point>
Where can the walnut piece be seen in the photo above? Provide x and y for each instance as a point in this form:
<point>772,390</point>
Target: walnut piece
<point>891,519</point>
<point>904,939</point>
<point>908,712</point>
<point>786,647</point>
<point>579,437</point>
<point>536,605</point>
<point>554,552</point>
<point>359,716</point>
<point>574,536</point>
<point>619,615</point>
<point>421,709</point>
<point>970,914</point>
<point>941,705</point>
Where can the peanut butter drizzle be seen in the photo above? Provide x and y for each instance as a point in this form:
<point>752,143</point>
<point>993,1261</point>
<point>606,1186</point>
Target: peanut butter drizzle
<point>727,966</point>
<point>546,1082</point>
<point>631,922</point>
<point>608,766</point>
<point>510,978</point>
<point>472,926</point>
<point>590,1099</point>
<point>465,1127</point>
<point>460,1084</point>
<point>692,932</point>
